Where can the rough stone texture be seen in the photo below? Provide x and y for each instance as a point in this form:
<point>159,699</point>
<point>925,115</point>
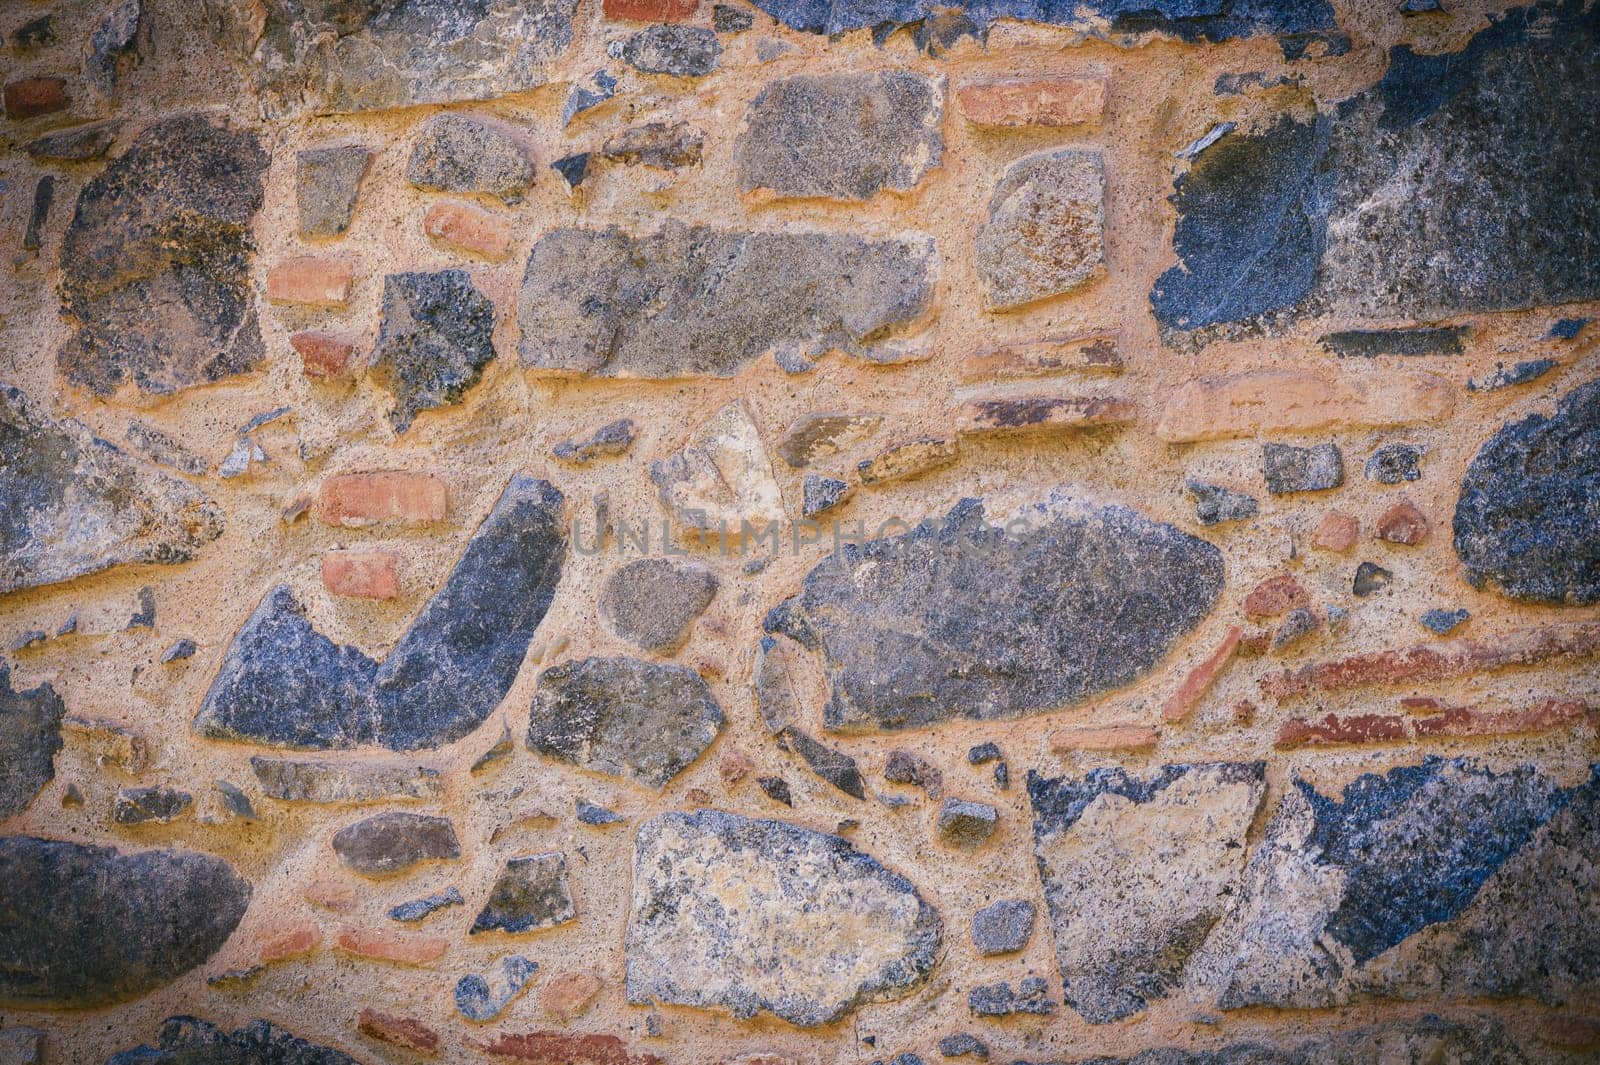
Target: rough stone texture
<point>821,434</point>
<point>1287,468</point>
<point>721,479</point>
<point>652,602</point>
<point>833,766</point>
<point>1003,927</point>
<point>327,182</point>
<point>466,153</point>
<point>613,438</point>
<point>642,721</point>
<point>477,1001</point>
<point>435,340</point>
<point>158,805</point>
<point>1042,237</point>
<point>77,144</point>
<point>531,893</point>
<point>1527,522</point>
<point>964,619</point>
<point>30,736</point>
<point>965,823</point>
<point>1425,340</point>
<point>344,56</point>
<point>752,915</point>
<point>658,145</point>
<point>694,301</point>
<point>683,51</point>
<point>1394,463</point>
<point>155,264</point>
<point>89,926</point>
<point>1136,872</point>
<point>822,493</point>
<point>1215,503</point>
<point>1217,22</point>
<point>285,684</point>
<point>191,1041</point>
<point>1267,401</point>
<point>841,136</point>
<point>294,780</point>
<point>394,842</point>
<point>75,504</point>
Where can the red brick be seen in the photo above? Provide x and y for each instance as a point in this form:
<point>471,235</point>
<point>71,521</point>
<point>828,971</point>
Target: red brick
<point>1016,102</point>
<point>331,895</point>
<point>734,766</point>
<point>403,1032</point>
<point>1454,721</point>
<point>1200,679</point>
<point>559,1048</point>
<point>1333,729</point>
<point>323,354</point>
<point>362,574</point>
<point>281,944</point>
<point>357,499</point>
<point>650,10</point>
<point>389,946</point>
<point>31,97</point>
<point>1113,738</point>
<point>991,414</point>
<point>1275,597</point>
<point>1338,533</point>
<point>469,229</point>
<point>1091,353</point>
<point>1430,662</point>
<point>569,995</point>
<point>1403,524</point>
<point>311,280</point>
<point>1271,401</point>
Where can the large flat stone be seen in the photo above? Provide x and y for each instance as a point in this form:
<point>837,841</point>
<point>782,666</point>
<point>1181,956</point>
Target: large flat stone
<point>284,684</point>
<point>1527,522</point>
<point>1461,182</point>
<point>641,721</point>
<point>155,266</point>
<point>752,915</point>
<point>191,1041</point>
<point>30,736</point>
<point>72,504</point>
<point>692,301</point>
<point>961,618</point>
<point>89,926</point>
<point>1136,872</point>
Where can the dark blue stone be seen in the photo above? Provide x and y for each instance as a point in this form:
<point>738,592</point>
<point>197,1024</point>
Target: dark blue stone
<point>1567,328</point>
<point>30,736</point>
<point>1189,20</point>
<point>1439,621</point>
<point>190,1041</point>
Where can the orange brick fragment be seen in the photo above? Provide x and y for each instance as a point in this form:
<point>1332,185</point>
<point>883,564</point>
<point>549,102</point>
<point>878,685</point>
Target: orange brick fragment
<point>32,97</point>
<point>1114,738</point>
<point>568,995</point>
<point>281,945</point>
<point>362,574</point>
<point>469,229</point>
<point>650,10</point>
<point>1275,597</point>
<point>1091,353</point>
<point>323,354</point>
<point>1200,678</point>
<point>1017,102</point>
<point>561,1048</point>
<point>311,280</point>
<point>330,895</point>
<point>1403,524</point>
<point>1456,721</point>
<point>1338,533</point>
<point>391,947</point>
<point>404,1032</point>
<point>357,499</point>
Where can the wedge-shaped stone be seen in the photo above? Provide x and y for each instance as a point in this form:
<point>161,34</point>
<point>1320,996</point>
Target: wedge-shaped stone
<point>960,618</point>
<point>531,893</point>
<point>1136,871</point>
<point>694,301</point>
<point>284,684</point>
<point>435,340</point>
<point>753,915</point>
<point>72,504</point>
<point>642,721</point>
<point>30,736</point>
<point>89,926</point>
<point>721,478</point>
<point>190,1041</point>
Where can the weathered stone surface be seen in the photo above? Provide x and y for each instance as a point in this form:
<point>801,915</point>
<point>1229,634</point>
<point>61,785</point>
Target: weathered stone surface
<point>756,915</point>
<point>352,56</point>
<point>393,842</point>
<point>421,909</point>
<point>721,478</point>
<point>468,153</point>
<point>435,340</point>
<point>642,721</point>
<point>477,1001</point>
<point>1009,412</point>
<point>841,136</point>
<point>292,780</point>
<point>694,301</point>
<point>1287,468</point>
<point>1439,621</point>
<point>1521,373</point>
<point>652,602</point>
<point>191,1041</point>
<point>656,144</point>
<point>908,459</point>
<point>1043,234</point>
<point>835,767</point>
<point>964,619</point>
<point>684,51</point>
<point>1265,401</point>
<point>75,504</point>
<point>77,144</point>
<point>1394,463</point>
<point>1424,340</point>
<point>1003,927</point>
<point>283,683</point>
<point>89,926</point>
<point>1136,872</point>
<point>1215,504</point>
<point>1370,578</point>
<point>1401,203</point>
<point>823,433</point>
<point>822,493</point>
<point>327,182</point>
<point>613,438</point>
<point>530,894</point>
<point>138,806</point>
<point>30,736</point>
<point>155,265</point>
<point>1527,522</point>
<point>965,823</point>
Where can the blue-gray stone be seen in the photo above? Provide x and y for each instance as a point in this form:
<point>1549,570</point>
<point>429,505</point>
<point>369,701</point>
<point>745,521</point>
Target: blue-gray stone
<point>235,801</point>
<point>191,1041</point>
<point>530,893</point>
<point>598,816</point>
<point>425,907</point>
<point>1214,504</point>
<point>683,51</point>
<point>833,766</point>
<point>820,493</point>
<point>1567,328</point>
<point>30,736</point>
<point>1527,522</point>
<point>572,168</point>
<point>435,340</point>
<point>727,18</point>
<point>1439,621</point>
<point>992,1000</point>
<point>963,1044</point>
<point>1393,463</point>
<point>601,87</point>
<point>477,1001</point>
<point>1003,927</point>
<point>1287,468</point>
<point>184,648</point>
<point>1509,376</point>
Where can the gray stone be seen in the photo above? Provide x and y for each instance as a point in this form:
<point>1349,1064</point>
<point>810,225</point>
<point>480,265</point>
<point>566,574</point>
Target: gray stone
<point>683,51</point>
<point>777,789</point>
<point>88,926</point>
<point>694,301</point>
<point>656,144</point>
<point>435,339</point>
<point>1370,577</point>
<point>1527,521</point>
<point>1287,468</point>
<point>820,434</point>
<point>284,684</point>
<point>963,1044</point>
<point>35,33</point>
<point>641,721</point>
<point>145,616</point>
<point>572,168</point>
<point>755,915</point>
<point>1298,23</point>
<point>327,183</point>
<point>1297,624</point>
<point>20,1045</point>
<point>1394,463</point>
<point>28,640</point>
<point>235,801</point>
<point>477,1001</point>
<point>1422,340</point>
<point>1214,504</point>
<point>992,1000</point>
<point>159,447</point>
<point>155,265</point>
<point>819,494</point>
<point>1510,376</point>
<point>1003,927</point>
<point>191,1041</point>
<point>180,650</point>
<point>961,618</point>
<point>467,153</point>
<point>348,55</point>
<point>1042,237</point>
<point>75,504</point>
<point>835,767</point>
<point>728,18</point>
<point>44,193</point>
<point>613,438</point>
<point>530,894</point>
<point>653,602</point>
<point>906,767</point>
<point>776,700</point>
<point>965,823</point>
<point>841,136</point>
<point>77,144</point>
<point>983,753</point>
<point>344,782</point>
<point>421,909</point>
<point>597,816</point>
<point>394,842</point>
<point>112,40</point>
<point>1136,871</point>
<point>30,736</point>
<point>1439,622</point>
<point>157,805</point>
<point>601,87</point>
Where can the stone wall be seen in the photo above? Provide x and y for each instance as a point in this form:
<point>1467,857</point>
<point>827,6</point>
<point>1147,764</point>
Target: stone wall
<point>669,531</point>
